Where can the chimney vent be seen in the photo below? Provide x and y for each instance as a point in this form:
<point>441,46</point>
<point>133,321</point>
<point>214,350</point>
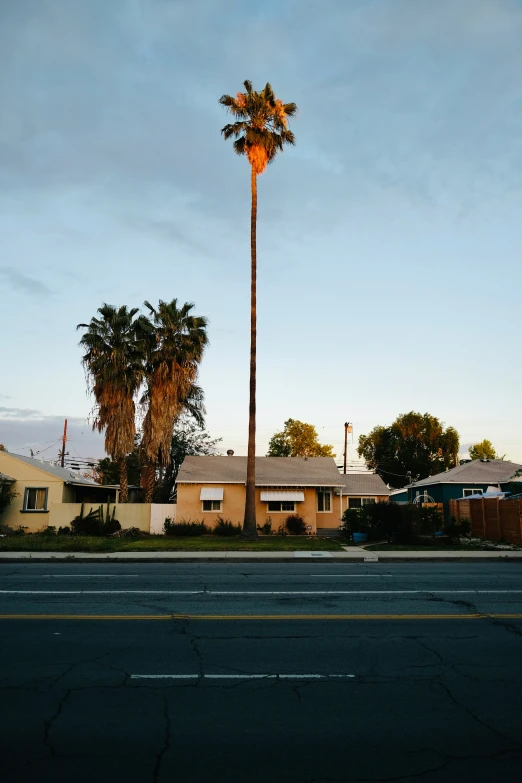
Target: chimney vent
<point>230,453</point>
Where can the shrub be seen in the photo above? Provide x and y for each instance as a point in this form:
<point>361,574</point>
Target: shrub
<point>7,493</point>
<point>87,525</point>
<point>465,526</point>
<point>266,529</point>
<point>295,525</point>
<point>9,531</point>
<point>64,531</point>
<point>355,521</point>
<point>95,523</point>
<point>50,530</point>
<point>225,527</point>
<point>455,530</point>
<point>185,528</point>
<point>429,521</point>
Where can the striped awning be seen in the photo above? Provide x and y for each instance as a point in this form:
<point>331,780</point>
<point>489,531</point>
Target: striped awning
<point>282,495</point>
<point>211,493</point>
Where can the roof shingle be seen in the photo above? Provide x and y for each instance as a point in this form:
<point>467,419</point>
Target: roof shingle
<point>363,484</point>
<point>270,471</point>
<point>475,472</point>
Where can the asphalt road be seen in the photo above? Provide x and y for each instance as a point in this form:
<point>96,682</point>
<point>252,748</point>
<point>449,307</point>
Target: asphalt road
<point>302,672</point>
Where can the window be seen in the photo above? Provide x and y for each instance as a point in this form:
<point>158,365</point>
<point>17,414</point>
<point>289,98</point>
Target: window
<point>281,505</point>
<point>467,492</point>
<point>35,499</point>
<point>368,501</point>
<point>324,501</point>
<point>212,505</point>
<point>354,502</point>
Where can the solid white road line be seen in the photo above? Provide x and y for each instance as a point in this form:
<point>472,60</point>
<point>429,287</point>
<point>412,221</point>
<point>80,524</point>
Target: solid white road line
<point>239,676</point>
<point>260,592</point>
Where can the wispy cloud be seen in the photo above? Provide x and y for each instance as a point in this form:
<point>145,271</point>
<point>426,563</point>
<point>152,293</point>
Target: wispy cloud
<point>22,282</point>
<point>20,414</point>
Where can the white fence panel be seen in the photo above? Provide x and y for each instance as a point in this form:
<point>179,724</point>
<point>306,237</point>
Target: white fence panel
<point>158,514</point>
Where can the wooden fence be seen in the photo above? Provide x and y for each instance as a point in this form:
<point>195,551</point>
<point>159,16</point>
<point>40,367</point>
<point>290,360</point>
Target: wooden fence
<point>491,518</point>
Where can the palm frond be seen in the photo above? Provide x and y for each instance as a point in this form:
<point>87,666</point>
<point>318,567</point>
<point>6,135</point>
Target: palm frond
<point>261,130</point>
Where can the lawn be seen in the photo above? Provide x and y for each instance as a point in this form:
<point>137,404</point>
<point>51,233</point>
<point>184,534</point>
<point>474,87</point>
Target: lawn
<point>464,546</point>
<point>44,543</point>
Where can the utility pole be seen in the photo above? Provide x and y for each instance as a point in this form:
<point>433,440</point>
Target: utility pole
<point>64,441</point>
<point>347,428</point>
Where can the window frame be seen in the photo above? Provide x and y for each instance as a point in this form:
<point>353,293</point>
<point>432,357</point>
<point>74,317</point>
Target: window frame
<point>280,503</point>
<point>212,509</point>
<point>43,510</point>
<point>368,501</point>
<point>471,491</point>
<point>324,493</point>
<point>355,506</point>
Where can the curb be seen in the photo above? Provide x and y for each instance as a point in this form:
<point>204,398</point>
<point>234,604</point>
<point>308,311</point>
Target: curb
<point>261,557</point>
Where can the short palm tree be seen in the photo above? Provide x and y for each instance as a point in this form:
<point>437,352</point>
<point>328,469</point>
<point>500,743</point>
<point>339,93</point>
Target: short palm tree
<point>260,130</point>
<point>113,363</point>
<point>175,340</point>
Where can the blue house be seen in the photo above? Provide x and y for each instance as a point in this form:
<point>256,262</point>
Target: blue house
<point>470,478</point>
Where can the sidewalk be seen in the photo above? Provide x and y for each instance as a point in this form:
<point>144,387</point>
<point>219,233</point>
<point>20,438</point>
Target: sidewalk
<point>351,554</point>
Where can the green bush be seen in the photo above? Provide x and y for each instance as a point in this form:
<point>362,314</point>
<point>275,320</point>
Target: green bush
<point>266,529</point>
<point>185,528</point>
<point>10,531</point>
<point>355,520</point>
<point>50,530</point>
<point>295,525</point>
<point>95,523</point>
<point>225,527</point>
<point>64,531</point>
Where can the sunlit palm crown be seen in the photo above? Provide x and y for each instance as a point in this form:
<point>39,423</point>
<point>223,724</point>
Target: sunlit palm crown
<point>261,124</point>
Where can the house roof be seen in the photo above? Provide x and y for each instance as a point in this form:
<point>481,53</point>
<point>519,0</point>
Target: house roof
<point>363,484</point>
<point>66,475</point>
<point>270,471</point>
<point>475,472</point>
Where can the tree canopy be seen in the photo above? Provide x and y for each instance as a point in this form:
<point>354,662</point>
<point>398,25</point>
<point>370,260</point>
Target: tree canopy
<point>297,440</point>
<point>483,450</point>
<point>188,438</point>
<point>415,446</point>
<point>261,124</point>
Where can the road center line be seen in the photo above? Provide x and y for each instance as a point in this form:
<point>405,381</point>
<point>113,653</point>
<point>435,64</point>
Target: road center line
<point>240,676</point>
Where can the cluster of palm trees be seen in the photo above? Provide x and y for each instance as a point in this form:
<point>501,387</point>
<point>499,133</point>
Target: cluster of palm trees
<point>126,352</point>
<point>146,364</point>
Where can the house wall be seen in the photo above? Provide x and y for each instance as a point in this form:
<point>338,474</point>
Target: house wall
<point>127,514</point>
<point>28,476</point>
<point>189,507</point>
<point>443,493</point>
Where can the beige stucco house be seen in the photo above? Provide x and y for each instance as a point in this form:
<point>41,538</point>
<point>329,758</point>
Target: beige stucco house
<point>212,487</point>
<point>50,495</point>
<point>362,488</point>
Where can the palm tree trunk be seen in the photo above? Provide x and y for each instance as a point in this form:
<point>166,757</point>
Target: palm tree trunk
<point>249,526</point>
<point>150,482</point>
<point>124,484</point>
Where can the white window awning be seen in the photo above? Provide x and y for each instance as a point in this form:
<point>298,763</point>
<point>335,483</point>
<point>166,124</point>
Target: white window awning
<point>211,493</point>
<point>295,496</point>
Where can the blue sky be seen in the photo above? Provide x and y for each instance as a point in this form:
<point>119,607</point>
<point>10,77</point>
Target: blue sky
<point>389,238</point>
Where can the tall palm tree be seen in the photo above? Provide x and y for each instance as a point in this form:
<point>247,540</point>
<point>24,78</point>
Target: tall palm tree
<point>176,340</point>
<point>113,363</point>
<point>260,130</point>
